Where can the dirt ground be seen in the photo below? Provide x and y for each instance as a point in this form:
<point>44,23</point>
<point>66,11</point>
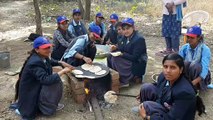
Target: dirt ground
<point>17,27</point>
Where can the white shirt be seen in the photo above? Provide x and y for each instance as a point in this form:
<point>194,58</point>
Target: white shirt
<point>176,2</point>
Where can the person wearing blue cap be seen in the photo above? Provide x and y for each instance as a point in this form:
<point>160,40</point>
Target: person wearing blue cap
<point>99,18</point>
<point>38,90</point>
<point>76,26</point>
<point>61,38</point>
<point>172,93</point>
<point>82,49</point>
<point>111,36</point>
<point>197,56</point>
<point>131,62</point>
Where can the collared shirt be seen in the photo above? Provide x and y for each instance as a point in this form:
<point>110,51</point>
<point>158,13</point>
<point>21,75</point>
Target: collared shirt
<point>75,24</point>
<point>205,57</point>
<point>77,29</point>
<point>79,45</point>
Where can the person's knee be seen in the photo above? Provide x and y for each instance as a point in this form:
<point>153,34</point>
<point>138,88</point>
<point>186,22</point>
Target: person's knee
<point>195,66</point>
<point>146,86</point>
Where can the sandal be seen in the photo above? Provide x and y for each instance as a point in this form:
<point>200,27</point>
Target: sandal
<point>160,54</point>
<point>163,53</point>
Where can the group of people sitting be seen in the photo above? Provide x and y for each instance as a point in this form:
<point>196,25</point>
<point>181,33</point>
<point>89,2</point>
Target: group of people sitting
<point>121,36</point>
<point>174,96</point>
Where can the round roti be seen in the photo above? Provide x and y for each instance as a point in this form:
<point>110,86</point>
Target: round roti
<point>115,54</point>
<point>84,76</point>
<point>86,66</point>
<point>95,69</point>
<point>109,97</point>
<point>77,72</point>
<point>102,72</point>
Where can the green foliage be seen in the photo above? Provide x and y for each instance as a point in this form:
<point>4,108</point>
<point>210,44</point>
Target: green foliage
<point>133,8</point>
<point>97,8</point>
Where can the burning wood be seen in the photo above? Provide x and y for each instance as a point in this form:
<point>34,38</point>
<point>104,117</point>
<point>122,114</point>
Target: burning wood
<point>87,91</point>
<point>88,102</point>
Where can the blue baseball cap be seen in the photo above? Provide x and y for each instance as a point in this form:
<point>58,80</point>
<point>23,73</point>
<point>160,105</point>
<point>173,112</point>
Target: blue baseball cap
<point>41,42</point>
<point>114,17</point>
<point>100,15</point>
<point>96,30</point>
<point>194,31</point>
<point>128,21</point>
<point>74,11</point>
<point>61,19</point>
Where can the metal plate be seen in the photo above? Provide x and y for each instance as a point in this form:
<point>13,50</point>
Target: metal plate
<point>90,75</point>
<point>104,48</point>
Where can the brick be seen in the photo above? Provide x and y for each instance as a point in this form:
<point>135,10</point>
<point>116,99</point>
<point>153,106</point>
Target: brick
<point>115,77</point>
<point>116,88</point>
<point>79,98</point>
<point>79,91</point>
<point>115,82</point>
<point>114,74</point>
<point>75,83</point>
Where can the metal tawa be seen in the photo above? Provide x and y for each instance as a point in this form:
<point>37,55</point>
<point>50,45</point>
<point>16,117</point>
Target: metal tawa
<point>91,75</point>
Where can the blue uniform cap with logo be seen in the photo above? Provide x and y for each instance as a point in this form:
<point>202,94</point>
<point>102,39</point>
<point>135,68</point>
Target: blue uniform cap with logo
<point>61,19</point>
<point>128,21</point>
<point>114,17</point>
<point>100,15</point>
<point>41,42</point>
<point>74,11</point>
<point>96,30</point>
<point>194,31</point>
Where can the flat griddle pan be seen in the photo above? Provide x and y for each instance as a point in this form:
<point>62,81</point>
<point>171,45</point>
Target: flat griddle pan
<point>88,73</point>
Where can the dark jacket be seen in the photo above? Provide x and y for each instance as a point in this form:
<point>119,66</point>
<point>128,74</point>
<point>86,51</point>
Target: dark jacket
<point>181,96</point>
<point>134,50</point>
<point>35,74</point>
<point>61,40</point>
<point>111,35</point>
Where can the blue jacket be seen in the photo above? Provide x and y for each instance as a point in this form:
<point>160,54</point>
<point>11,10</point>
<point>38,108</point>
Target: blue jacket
<point>61,41</point>
<point>134,50</point>
<point>205,57</point>
<point>35,74</point>
<point>181,96</point>
<point>77,29</point>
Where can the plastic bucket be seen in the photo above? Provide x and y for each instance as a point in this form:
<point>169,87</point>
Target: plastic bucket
<point>4,59</point>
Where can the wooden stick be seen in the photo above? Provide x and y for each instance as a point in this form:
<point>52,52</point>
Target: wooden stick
<point>118,94</point>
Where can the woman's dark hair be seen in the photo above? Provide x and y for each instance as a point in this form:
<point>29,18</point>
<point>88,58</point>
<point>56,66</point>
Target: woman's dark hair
<point>200,107</point>
<point>18,81</point>
<point>176,58</point>
<point>201,38</point>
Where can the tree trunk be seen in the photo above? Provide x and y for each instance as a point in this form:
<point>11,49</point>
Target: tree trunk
<point>80,5</point>
<point>37,17</point>
<point>87,10</point>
